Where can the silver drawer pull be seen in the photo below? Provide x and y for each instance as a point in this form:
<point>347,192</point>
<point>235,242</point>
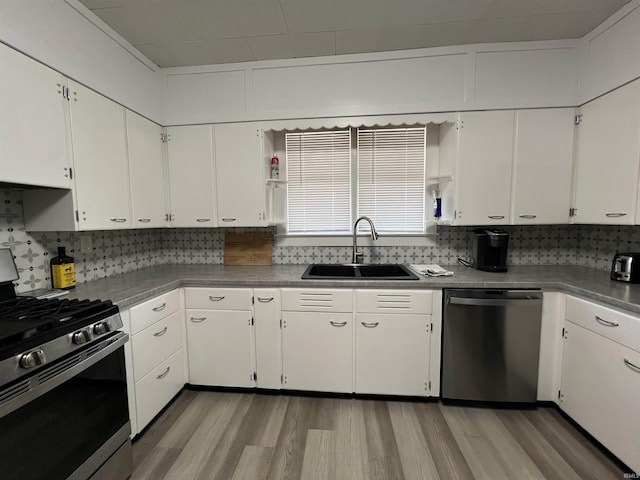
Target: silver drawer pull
<point>144,220</point>
<point>161,307</point>
<point>265,300</point>
<point>119,220</point>
<point>631,365</point>
<point>215,299</point>
<point>198,319</point>
<point>162,375</point>
<point>337,324</point>
<point>370,325</point>
<point>161,332</point>
<point>615,214</point>
<point>229,219</point>
<point>527,216</point>
<point>496,217</point>
<point>607,323</point>
<point>202,220</point>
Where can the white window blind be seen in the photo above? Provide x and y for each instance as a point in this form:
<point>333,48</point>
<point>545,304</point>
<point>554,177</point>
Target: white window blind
<point>318,182</point>
<point>391,178</point>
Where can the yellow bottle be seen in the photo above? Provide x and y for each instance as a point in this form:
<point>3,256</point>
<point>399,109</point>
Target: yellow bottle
<point>63,271</point>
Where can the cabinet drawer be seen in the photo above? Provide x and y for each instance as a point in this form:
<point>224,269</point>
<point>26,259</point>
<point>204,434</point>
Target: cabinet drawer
<point>155,343</point>
<point>317,300</point>
<point>151,311</point>
<point>618,326</point>
<point>218,298</point>
<point>156,389</point>
<point>393,301</point>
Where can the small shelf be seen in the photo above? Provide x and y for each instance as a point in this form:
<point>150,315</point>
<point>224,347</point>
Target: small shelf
<point>275,181</point>
<point>439,179</point>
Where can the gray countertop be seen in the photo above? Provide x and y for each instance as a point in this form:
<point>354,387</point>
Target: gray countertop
<point>131,288</point>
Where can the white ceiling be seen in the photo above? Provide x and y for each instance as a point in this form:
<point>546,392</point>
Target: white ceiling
<point>200,32</point>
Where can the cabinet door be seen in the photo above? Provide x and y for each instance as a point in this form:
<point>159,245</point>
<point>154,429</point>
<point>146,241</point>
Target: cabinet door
<point>600,391</point>
<point>608,158</point>
<point>147,172</point>
<point>543,163</point>
<point>100,160</point>
<point>190,154</point>
<point>483,173</point>
<point>268,337</point>
<point>240,175</point>
<point>220,348</point>
<point>392,354</point>
<point>33,137</point>
<point>317,351</point>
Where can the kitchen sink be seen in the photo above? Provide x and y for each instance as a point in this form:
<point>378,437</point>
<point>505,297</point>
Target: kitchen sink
<point>336,271</point>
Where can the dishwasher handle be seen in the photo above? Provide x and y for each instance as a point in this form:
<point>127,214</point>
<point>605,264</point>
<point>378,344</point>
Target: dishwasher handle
<point>494,302</point>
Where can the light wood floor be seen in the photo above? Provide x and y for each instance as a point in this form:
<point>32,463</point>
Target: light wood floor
<point>233,436</point>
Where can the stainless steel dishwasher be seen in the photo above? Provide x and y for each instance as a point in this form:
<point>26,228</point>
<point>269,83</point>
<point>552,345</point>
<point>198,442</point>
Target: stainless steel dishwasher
<point>491,345</point>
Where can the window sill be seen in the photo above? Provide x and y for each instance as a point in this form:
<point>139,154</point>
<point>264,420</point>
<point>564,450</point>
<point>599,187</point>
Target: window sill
<point>364,240</point>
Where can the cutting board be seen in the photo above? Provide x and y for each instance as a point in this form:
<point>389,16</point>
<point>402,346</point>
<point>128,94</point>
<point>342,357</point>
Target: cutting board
<point>248,248</point>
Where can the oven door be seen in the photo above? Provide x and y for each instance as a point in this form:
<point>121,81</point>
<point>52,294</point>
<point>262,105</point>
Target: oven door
<point>69,419</point>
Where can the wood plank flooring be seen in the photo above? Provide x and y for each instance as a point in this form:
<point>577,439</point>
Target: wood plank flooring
<point>238,436</point>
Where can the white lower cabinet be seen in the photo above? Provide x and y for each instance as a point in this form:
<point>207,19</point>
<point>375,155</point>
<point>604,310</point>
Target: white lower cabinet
<point>268,338</point>
<point>600,383</point>
<point>156,389</point>
<point>317,351</point>
<point>392,354</point>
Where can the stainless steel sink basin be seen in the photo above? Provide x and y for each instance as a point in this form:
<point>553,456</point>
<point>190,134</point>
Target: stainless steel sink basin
<point>336,271</point>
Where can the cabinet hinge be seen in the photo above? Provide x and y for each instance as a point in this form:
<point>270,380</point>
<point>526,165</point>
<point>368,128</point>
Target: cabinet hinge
<point>565,333</point>
<point>77,216</point>
<point>255,377</point>
<point>431,327</point>
<point>251,320</point>
<point>573,212</point>
<point>281,379</point>
<point>70,173</point>
<point>459,124</point>
<point>560,396</point>
<point>165,137</point>
<point>429,385</point>
<point>253,300</point>
<point>577,120</point>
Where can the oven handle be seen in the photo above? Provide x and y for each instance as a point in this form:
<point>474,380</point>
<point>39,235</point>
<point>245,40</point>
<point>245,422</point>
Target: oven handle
<point>33,389</point>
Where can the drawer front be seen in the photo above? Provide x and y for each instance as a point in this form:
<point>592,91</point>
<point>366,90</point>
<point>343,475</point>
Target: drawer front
<point>617,326</point>
<point>218,298</point>
<point>155,344</point>
<point>394,301</point>
<point>151,311</point>
<point>317,300</point>
<point>157,388</point>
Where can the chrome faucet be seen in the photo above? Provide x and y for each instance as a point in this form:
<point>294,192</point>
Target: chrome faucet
<point>358,257</point>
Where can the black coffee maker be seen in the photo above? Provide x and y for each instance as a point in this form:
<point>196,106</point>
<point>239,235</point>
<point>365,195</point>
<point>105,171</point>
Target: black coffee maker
<point>490,249</point>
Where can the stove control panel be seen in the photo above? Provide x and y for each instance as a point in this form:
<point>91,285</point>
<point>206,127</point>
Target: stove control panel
<point>82,336</point>
<point>33,359</point>
<point>101,328</point>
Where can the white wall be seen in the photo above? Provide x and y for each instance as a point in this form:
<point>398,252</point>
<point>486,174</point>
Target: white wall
<point>58,34</point>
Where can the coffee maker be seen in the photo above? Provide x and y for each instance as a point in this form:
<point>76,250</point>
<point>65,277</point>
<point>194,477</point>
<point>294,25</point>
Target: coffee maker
<point>490,249</point>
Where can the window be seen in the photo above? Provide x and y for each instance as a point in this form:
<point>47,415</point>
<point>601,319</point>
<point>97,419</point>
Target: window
<point>387,184</point>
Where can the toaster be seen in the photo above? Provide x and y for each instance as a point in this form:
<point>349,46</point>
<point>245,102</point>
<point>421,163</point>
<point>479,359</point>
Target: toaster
<point>626,267</point>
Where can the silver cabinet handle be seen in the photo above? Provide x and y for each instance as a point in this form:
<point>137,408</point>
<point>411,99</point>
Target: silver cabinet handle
<point>496,217</point>
<point>631,365</point>
<point>161,307</point>
<point>161,332</point>
<point>216,299</point>
<point>337,324</point>
<point>202,220</point>
<point>265,300</point>
<point>119,220</point>
<point>198,319</point>
<point>527,216</point>
<point>607,323</point>
<point>229,219</point>
<point>370,325</point>
<point>162,375</point>
<point>144,220</point>
<point>615,214</point>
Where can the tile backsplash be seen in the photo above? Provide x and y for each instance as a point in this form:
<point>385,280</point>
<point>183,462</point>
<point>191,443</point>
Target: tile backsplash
<point>120,251</point>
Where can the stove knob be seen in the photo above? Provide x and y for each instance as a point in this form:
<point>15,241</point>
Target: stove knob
<point>83,336</point>
<point>101,328</point>
<point>33,359</point>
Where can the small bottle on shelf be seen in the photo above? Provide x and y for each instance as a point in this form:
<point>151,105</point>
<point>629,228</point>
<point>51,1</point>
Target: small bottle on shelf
<point>275,167</point>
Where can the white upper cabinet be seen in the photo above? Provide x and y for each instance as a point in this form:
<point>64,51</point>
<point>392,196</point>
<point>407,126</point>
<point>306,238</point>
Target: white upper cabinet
<point>542,162</point>
<point>33,137</point>
<point>483,168</point>
<point>191,176</point>
<point>101,171</point>
<point>608,158</point>
<point>240,175</point>
<point>146,167</point>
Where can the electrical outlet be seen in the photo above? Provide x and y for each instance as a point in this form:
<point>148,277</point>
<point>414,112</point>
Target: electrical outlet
<point>86,243</point>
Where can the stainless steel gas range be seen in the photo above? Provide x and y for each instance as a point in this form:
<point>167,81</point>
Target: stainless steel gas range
<point>63,393</point>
